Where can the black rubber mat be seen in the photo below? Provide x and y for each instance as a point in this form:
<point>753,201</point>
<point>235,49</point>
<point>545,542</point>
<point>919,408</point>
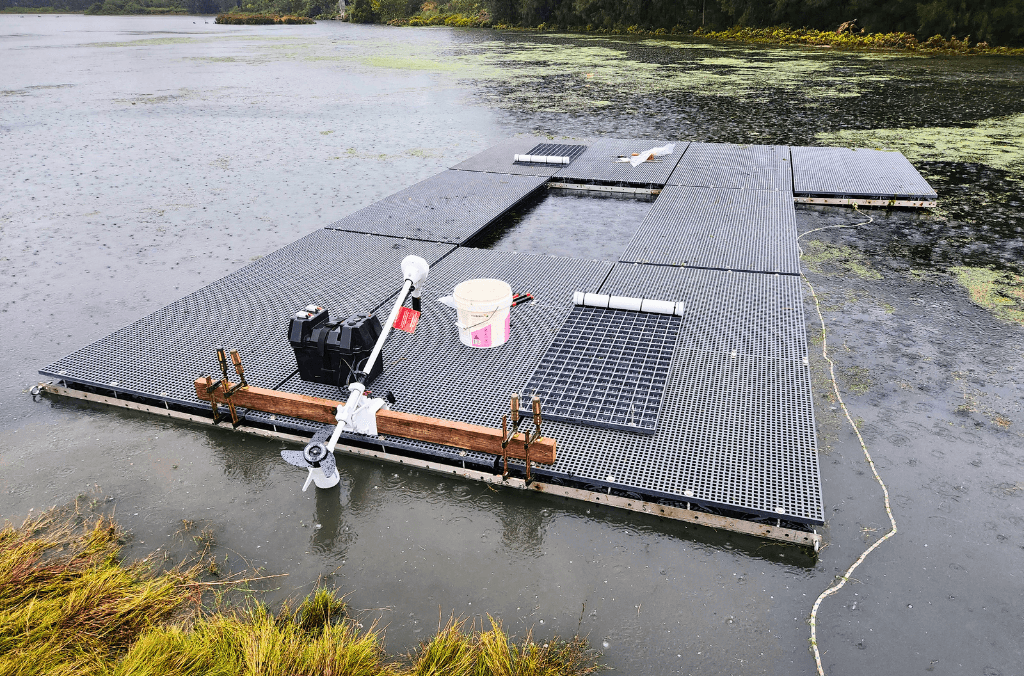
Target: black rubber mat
<point>498,159</point>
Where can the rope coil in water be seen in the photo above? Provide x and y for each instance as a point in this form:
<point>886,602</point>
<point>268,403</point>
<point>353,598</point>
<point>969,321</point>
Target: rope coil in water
<point>842,579</point>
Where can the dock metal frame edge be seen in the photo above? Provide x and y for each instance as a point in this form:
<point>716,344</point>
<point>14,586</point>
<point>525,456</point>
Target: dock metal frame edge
<point>626,190</point>
<point>799,538</point>
<point>864,202</point>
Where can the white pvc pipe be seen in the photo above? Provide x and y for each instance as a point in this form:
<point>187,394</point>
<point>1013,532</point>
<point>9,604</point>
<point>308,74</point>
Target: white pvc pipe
<point>541,159</point>
<point>624,303</point>
<point>662,307</point>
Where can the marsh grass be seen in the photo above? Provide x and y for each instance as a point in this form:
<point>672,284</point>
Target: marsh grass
<point>70,605</point>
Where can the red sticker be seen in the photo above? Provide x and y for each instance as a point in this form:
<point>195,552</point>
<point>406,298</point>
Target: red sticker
<point>407,319</point>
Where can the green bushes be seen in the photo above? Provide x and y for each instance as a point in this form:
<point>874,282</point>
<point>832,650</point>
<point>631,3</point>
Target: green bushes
<point>853,40</point>
<point>137,7</point>
<point>260,19</point>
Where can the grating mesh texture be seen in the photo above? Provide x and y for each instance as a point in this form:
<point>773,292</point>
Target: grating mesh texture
<point>724,165</point>
<point>719,228</point>
<point>432,373</point>
<point>746,313</point>
<point>498,159</point>
<point>734,431</point>
<point>598,163</point>
<point>606,368</point>
<point>848,172</point>
<point>161,354</point>
<point>449,207</point>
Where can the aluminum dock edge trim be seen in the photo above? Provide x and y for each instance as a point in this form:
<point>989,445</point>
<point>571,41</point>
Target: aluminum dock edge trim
<point>864,202</point>
<point>624,190</point>
<point>765,531</point>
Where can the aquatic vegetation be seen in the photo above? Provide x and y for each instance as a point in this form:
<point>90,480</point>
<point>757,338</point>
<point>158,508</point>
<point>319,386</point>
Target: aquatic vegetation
<point>408,63</point>
<point>830,259</point>
<point>1001,293</point>
<point>592,74</point>
<point>995,142</point>
<point>69,605</point>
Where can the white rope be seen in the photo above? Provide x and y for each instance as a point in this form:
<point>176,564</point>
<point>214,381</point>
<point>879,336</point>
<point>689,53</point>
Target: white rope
<point>841,580</point>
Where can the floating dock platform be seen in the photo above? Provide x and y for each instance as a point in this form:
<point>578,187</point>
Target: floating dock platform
<point>704,415</point>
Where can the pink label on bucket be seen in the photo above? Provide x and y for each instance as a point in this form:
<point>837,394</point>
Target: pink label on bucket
<point>508,326</point>
<point>482,337</point>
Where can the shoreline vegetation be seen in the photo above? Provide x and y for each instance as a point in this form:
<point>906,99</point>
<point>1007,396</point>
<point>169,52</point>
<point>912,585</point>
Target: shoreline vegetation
<point>242,19</point>
<point>502,15</point>
<point>69,604</point>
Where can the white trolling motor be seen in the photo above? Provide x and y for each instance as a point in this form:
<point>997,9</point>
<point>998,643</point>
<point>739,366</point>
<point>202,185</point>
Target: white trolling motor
<point>359,413</point>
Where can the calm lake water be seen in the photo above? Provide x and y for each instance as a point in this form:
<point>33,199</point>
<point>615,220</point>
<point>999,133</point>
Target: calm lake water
<point>144,157</point>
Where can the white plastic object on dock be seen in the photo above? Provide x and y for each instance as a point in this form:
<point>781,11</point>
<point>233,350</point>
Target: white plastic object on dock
<point>661,307</point>
<point>640,158</point>
<point>542,159</point>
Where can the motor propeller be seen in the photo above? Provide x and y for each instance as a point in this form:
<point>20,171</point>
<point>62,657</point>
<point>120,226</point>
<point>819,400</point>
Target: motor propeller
<point>318,459</point>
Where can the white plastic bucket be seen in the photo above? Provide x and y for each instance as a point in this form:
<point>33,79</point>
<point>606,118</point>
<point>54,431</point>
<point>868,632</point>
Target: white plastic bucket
<point>483,306</point>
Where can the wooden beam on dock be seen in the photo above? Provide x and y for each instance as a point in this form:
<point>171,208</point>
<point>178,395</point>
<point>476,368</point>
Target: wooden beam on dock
<point>393,423</point>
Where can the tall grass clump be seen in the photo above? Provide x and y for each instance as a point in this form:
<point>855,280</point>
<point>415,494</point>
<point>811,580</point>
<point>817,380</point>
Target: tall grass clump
<point>459,649</point>
<point>69,605</point>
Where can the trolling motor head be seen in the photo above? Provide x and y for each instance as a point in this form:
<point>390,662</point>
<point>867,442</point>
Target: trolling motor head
<point>415,270</point>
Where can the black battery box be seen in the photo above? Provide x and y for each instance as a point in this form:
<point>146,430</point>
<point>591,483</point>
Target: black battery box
<point>333,353</point>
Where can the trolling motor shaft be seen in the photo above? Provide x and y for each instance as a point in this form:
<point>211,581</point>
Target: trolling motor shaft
<point>358,414</point>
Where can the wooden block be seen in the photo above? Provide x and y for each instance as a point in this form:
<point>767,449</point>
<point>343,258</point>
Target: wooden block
<point>393,423</point>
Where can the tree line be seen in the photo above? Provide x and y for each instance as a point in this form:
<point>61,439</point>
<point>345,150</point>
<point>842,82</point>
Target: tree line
<point>997,22</point>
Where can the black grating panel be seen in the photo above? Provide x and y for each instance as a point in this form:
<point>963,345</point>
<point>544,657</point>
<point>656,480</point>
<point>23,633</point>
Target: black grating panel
<point>498,159</point>
<point>432,373</point>
<point>598,163</point>
<point>735,432</point>
<point>160,355</point>
<point>860,172</point>
<point>720,228</point>
<point>742,312</point>
<point>449,207</point>
<point>724,165</point>
<point>554,150</point>
<point>606,368</point>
